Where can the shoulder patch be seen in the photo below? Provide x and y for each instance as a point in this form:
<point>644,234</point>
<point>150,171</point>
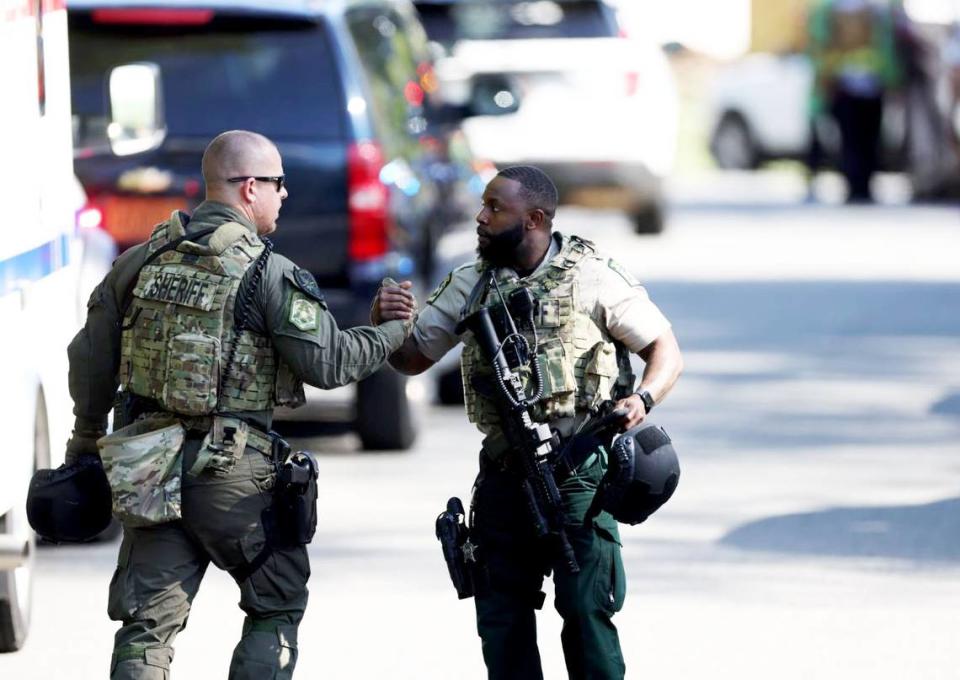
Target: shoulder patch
<point>304,281</point>
<point>304,313</point>
<point>439,289</point>
<point>624,274</point>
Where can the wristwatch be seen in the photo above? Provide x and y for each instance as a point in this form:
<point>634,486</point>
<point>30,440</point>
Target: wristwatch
<point>647,399</point>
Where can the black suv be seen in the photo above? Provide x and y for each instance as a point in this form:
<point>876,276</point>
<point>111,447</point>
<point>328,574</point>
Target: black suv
<point>343,88</point>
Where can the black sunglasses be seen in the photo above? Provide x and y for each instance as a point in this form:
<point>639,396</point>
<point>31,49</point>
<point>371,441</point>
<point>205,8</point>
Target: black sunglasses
<point>278,180</point>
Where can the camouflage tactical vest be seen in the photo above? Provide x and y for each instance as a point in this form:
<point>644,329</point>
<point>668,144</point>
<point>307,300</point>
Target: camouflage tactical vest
<point>580,363</point>
<point>179,333</point>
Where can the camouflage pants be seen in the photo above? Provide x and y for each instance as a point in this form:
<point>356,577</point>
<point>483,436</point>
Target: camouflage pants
<point>512,572</point>
<point>159,570</point>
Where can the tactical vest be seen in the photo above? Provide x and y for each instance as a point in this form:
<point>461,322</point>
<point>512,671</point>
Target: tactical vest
<point>580,364</point>
<point>179,333</point>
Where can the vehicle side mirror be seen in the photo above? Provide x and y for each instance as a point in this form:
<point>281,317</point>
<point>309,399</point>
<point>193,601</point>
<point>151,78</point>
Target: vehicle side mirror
<point>136,109</point>
<point>493,94</point>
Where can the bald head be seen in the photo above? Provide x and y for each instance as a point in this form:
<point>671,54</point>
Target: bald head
<point>254,163</point>
<point>236,153</point>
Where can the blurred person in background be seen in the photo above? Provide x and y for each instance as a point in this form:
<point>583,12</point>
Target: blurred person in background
<point>926,144</point>
<point>856,64</point>
<point>951,60</point>
<point>210,281</point>
<point>593,315</point>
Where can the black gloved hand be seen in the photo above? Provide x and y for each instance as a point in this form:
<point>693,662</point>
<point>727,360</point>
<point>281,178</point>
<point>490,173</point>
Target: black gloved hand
<point>80,444</point>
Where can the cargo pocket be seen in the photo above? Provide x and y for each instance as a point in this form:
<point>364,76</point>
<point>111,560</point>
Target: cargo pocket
<point>142,462</point>
<point>122,601</point>
<point>287,639</point>
<point>611,586</point>
<point>559,381</point>
<point>158,657</point>
<point>192,374</point>
<point>600,372</point>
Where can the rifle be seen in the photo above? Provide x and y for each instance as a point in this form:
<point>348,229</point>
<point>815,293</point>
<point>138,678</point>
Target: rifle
<point>534,444</point>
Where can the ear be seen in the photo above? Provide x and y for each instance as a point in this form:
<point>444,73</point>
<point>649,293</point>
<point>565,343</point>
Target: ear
<point>248,191</point>
<point>535,219</point>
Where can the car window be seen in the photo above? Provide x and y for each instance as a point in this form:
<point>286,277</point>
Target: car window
<point>268,80</point>
<point>447,23</point>
<point>390,61</point>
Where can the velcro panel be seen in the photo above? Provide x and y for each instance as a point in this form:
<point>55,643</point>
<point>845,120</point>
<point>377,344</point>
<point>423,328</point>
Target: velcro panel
<point>651,439</point>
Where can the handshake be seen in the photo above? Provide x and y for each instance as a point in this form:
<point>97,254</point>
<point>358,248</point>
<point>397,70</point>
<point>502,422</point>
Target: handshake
<point>394,301</point>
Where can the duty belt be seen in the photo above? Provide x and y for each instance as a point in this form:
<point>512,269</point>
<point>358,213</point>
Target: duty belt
<point>197,427</point>
<point>260,441</point>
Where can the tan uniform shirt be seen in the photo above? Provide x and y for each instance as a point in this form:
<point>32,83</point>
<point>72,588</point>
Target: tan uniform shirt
<point>631,317</point>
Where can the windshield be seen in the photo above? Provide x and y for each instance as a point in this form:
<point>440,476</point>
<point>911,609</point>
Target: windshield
<point>515,20</point>
<point>270,81</point>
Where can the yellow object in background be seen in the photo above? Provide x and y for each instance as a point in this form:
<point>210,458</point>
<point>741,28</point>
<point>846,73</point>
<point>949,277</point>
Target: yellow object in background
<point>778,25</point>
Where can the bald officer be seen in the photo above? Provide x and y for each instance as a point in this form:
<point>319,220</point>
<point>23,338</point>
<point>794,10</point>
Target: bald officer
<point>203,325</point>
<point>591,313</point>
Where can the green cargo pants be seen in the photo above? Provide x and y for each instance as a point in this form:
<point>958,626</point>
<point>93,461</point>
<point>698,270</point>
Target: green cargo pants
<point>512,567</point>
<point>160,568</point>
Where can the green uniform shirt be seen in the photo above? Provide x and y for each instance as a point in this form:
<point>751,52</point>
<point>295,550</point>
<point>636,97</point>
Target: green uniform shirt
<point>302,331</point>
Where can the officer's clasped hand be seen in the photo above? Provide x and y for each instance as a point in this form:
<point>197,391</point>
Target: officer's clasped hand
<point>635,409</point>
<point>394,301</point>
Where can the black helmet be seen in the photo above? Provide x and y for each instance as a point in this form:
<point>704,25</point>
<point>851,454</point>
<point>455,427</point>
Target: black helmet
<point>70,504</point>
<point>643,474</point>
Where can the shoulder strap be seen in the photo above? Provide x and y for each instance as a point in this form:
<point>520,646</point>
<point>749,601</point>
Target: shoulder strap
<point>573,250</point>
<point>479,290</point>
<point>167,247</point>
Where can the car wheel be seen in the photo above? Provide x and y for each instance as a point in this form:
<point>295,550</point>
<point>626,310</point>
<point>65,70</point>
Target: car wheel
<point>648,219</point>
<point>450,388</point>
<point>385,418</point>
<point>733,147</point>
<point>16,585</point>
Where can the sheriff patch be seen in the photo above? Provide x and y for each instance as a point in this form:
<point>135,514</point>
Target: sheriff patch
<point>304,313</point>
<point>624,274</point>
<point>186,288</point>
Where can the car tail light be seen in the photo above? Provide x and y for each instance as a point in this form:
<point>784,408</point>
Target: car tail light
<point>158,16</point>
<point>367,200</point>
<point>128,219</point>
<point>427,77</point>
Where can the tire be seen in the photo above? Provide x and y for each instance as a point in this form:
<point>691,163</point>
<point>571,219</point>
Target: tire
<point>450,388</point>
<point>16,585</point>
<point>385,418</point>
<point>648,219</point>
<point>732,146</point>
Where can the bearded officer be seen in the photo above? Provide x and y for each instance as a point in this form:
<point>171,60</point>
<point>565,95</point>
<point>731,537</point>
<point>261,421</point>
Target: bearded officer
<point>592,312</point>
<point>219,287</point>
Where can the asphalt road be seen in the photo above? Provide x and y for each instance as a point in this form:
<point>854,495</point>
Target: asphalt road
<point>816,529</point>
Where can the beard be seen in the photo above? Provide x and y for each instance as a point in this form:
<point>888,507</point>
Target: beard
<point>501,248</point>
